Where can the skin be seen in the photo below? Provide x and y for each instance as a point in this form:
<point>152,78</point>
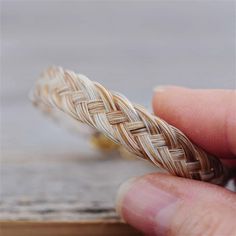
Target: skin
<point>160,204</point>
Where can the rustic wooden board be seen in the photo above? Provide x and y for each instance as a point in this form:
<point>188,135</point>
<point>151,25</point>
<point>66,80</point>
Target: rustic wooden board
<point>58,176</point>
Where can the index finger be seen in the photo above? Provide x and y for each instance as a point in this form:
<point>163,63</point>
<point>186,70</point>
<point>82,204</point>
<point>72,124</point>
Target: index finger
<point>207,117</point>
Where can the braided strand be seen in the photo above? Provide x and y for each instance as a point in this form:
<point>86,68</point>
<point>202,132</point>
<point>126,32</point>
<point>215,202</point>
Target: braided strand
<point>127,124</point>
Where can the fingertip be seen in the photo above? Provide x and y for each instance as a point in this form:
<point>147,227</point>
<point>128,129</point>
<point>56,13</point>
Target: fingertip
<point>207,117</point>
<point>159,203</point>
<point>122,191</point>
<point>138,201</point>
<point>163,97</point>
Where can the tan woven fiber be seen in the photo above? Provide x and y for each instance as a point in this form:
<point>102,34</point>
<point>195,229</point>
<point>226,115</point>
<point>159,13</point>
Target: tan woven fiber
<point>127,124</point>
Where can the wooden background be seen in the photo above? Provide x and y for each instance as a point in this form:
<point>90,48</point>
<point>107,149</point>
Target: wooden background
<point>51,174</point>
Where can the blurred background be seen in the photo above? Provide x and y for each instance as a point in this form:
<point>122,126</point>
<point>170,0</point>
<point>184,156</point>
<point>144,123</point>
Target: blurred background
<point>128,46</point>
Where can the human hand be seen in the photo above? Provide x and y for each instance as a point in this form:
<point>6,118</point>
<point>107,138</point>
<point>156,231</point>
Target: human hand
<point>160,204</point>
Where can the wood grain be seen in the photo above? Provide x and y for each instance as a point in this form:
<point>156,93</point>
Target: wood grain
<point>97,228</point>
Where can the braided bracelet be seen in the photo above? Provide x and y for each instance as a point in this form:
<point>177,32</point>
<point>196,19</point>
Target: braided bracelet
<point>127,124</point>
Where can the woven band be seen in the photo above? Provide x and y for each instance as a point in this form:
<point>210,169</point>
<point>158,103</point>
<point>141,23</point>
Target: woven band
<point>127,124</point>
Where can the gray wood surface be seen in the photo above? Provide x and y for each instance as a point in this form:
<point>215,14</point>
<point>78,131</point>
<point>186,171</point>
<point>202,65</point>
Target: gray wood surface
<point>50,173</point>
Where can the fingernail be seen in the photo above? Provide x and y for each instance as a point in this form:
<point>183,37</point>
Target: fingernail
<point>159,89</point>
<point>145,206</point>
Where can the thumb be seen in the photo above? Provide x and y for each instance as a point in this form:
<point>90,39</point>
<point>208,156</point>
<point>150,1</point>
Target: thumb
<point>159,204</point>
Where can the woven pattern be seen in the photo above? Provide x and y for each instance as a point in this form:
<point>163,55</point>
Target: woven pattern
<point>127,124</point>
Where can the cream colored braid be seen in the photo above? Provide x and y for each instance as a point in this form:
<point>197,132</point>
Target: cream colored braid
<point>127,124</point>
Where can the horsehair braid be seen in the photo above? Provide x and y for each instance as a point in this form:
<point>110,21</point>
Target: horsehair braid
<point>127,124</point>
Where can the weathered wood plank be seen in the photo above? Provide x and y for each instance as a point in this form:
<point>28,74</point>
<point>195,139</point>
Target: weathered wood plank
<point>103,228</point>
<point>56,175</point>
